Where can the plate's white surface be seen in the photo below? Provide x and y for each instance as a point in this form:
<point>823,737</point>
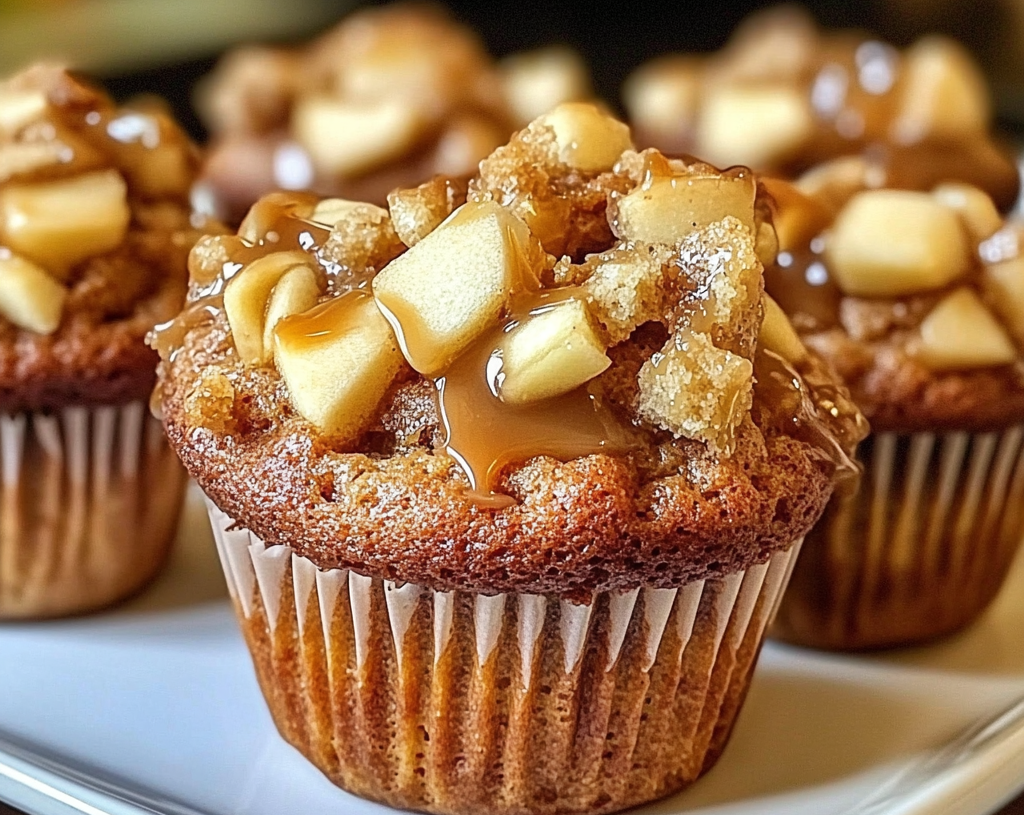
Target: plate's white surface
<point>154,708</point>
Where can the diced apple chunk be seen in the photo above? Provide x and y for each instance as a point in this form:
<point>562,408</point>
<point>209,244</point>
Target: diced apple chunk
<point>551,353</point>
<point>757,126</point>
<point>668,209</point>
<point>974,206</point>
<point>536,81</point>
<point>588,139</point>
<point>338,361</point>
<point>297,291</point>
<point>888,243</point>
<point>1004,285</point>
<point>944,93</point>
<point>778,335</point>
<point>20,108</point>
<point>453,284</point>
<point>663,96</point>
<point>960,333</point>
<point>347,139</point>
<point>29,297</point>
<point>61,223</point>
<point>246,296</point>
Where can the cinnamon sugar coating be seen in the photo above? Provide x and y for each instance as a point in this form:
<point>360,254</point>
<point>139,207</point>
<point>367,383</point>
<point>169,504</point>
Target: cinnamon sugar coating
<point>114,295</point>
<point>645,502</point>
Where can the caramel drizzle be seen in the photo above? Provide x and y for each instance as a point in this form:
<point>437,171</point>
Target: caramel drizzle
<point>484,434</point>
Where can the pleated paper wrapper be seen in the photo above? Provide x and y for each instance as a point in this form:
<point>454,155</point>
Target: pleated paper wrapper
<point>454,702</point>
<point>920,550</point>
<point>89,504</point>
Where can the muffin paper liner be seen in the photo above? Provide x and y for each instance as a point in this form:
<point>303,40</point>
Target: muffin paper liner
<point>89,503</point>
<point>455,702</point>
<point>919,550</point>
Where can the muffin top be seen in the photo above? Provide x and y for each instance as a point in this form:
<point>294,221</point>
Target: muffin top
<point>783,96</point>
<point>94,240</point>
<point>562,377</point>
<point>389,97</point>
<point>916,298</point>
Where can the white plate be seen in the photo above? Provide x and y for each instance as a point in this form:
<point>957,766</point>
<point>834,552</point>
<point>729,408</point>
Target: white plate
<point>154,708</point>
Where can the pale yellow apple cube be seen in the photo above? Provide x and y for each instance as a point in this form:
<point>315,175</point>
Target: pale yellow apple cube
<point>337,379</point>
<point>297,291</point>
<point>551,353</point>
<point>974,206</point>
<point>588,138</point>
<point>961,334</point>
<point>889,243</point>
<point>1004,285</point>
<point>452,285</point>
<point>29,296</point>
<point>778,335</point>
<point>58,224</point>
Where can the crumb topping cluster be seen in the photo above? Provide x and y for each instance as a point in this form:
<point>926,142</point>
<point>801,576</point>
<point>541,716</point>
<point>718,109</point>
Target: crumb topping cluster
<point>575,297</point>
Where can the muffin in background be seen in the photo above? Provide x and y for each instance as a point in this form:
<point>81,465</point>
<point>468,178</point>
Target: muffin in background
<point>783,96</point>
<point>389,97</point>
<point>917,300</point>
<point>94,239</point>
<point>507,479</point>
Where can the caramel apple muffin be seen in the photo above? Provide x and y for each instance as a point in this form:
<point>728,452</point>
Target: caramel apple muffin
<point>94,241</point>
<point>917,300</point>
<point>506,479</point>
<point>783,96</point>
<point>389,97</point>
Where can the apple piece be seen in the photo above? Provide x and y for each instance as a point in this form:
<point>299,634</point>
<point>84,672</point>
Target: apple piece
<point>588,138</point>
<point>756,126</point>
<point>1004,284</point>
<point>61,223</point>
<point>778,335</point>
<point>245,301</point>
<point>960,334</point>
<point>663,96</point>
<point>539,80</point>
<point>20,108</point>
<point>888,243</point>
<point>346,138</point>
<point>452,285</point>
<point>551,353</point>
<point>667,209</point>
<point>338,361</point>
<point>19,158</point>
<point>974,206</point>
<point>944,94</point>
<point>297,291</point>
<point>29,296</point>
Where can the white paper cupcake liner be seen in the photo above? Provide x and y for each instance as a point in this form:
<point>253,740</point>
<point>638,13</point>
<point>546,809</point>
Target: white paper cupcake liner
<point>919,550</point>
<point>455,702</point>
<point>89,502</point>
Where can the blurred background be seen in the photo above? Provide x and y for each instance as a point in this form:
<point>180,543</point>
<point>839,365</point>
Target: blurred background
<point>164,46</point>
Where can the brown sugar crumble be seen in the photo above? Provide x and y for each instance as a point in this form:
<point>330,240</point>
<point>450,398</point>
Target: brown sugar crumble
<point>560,372</point>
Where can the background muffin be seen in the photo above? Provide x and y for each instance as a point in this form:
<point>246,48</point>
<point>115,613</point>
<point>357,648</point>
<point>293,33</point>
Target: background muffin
<point>502,508</point>
<point>94,240</point>
<point>389,97</point>
<point>783,96</point>
<point>917,300</point>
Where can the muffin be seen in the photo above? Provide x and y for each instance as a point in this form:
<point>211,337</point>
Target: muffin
<point>783,96</point>
<point>507,479</point>
<point>917,300</point>
<point>389,97</point>
<point>94,242</point>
